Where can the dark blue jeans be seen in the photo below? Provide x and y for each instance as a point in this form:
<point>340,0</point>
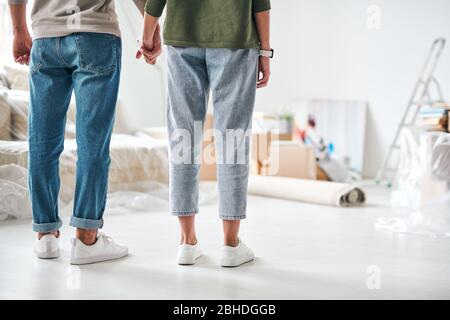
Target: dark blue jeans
<point>88,64</point>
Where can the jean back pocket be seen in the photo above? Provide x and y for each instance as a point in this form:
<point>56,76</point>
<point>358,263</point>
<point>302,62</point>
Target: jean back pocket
<point>98,52</point>
<point>36,61</point>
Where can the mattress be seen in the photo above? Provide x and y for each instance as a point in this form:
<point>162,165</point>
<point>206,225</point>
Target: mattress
<point>133,160</point>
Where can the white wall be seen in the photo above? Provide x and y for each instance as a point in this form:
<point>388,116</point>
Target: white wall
<point>325,50</point>
<point>142,88</point>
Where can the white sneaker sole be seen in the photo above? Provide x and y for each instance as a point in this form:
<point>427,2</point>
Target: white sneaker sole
<point>235,262</point>
<point>187,261</point>
<point>90,260</point>
<point>47,254</point>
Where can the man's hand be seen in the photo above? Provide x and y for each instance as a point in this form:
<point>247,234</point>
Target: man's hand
<point>263,72</point>
<point>151,47</point>
<point>22,44</point>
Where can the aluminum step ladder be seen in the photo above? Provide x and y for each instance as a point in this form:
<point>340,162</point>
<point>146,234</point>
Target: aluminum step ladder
<point>421,97</point>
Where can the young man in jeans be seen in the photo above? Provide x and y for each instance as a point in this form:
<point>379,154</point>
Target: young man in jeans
<point>76,47</point>
<point>218,46</point>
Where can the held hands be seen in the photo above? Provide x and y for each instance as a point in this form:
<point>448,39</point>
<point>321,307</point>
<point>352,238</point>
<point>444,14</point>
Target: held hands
<point>263,72</point>
<point>22,44</point>
<point>150,47</point>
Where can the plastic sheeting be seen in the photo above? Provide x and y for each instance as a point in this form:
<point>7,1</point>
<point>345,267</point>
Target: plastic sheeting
<point>143,196</point>
<point>148,196</point>
<point>422,185</point>
<point>422,155</point>
<point>138,173</point>
<point>134,157</point>
<point>433,219</point>
<point>139,196</point>
<point>14,194</point>
<point>137,160</point>
<point>151,196</point>
<point>134,160</point>
<point>440,158</point>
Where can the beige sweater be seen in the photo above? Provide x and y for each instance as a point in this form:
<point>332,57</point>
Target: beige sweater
<point>57,18</point>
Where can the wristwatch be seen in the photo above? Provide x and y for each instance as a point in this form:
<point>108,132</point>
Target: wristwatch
<point>266,53</point>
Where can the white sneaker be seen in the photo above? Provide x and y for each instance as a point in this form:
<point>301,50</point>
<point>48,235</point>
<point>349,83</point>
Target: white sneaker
<point>47,247</point>
<point>103,249</point>
<point>235,256</point>
<point>188,254</point>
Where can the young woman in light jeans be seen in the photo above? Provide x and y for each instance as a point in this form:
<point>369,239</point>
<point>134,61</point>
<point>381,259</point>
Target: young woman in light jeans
<point>223,47</point>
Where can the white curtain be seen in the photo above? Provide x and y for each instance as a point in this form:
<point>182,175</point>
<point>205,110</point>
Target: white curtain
<point>5,34</point>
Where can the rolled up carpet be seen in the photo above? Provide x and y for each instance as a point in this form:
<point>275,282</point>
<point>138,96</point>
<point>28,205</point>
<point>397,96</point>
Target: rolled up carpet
<point>312,191</point>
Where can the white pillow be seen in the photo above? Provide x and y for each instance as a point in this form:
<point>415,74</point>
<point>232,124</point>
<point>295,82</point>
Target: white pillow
<point>5,120</point>
<point>18,78</point>
<point>3,82</point>
<point>17,102</point>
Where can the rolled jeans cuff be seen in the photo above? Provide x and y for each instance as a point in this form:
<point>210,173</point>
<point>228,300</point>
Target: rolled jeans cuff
<point>232,218</point>
<point>185,213</point>
<point>86,223</point>
<point>47,227</point>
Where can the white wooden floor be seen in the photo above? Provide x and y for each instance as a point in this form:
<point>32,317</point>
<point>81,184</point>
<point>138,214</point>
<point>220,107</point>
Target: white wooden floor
<point>303,252</point>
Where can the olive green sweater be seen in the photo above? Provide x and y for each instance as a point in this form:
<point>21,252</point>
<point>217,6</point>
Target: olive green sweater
<point>209,23</point>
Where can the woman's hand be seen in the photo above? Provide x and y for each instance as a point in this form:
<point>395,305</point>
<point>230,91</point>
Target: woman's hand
<point>263,72</point>
<point>22,44</point>
<point>151,45</point>
<point>263,25</point>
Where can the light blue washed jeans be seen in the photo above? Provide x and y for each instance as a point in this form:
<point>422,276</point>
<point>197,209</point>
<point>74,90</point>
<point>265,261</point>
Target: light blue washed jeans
<point>230,74</point>
<point>88,64</point>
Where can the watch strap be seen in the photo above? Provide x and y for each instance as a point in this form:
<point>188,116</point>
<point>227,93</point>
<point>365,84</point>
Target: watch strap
<point>266,53</point>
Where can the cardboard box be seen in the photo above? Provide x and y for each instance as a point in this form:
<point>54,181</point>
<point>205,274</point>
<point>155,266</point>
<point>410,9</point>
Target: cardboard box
<point>208,171</point>
<point>260,152</point>
<point>321,175</point>
<point>297,160</point>
<point>208,168</point>
<point>291,159</point>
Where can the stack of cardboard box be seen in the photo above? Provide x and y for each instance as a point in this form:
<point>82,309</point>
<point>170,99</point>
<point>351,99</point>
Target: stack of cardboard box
<point>271,155</point>
<point>208,169</point>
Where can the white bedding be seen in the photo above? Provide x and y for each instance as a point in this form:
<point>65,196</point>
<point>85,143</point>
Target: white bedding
<point>133,159</point>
